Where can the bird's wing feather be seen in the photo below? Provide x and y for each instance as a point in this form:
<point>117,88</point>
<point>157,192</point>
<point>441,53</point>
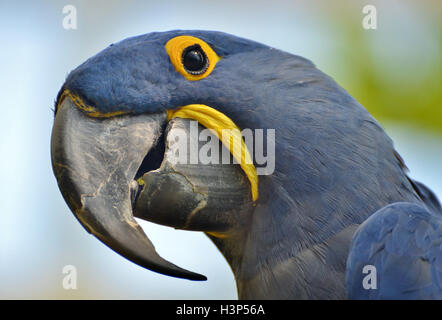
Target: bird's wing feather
<point>427,196</point>
<point>403,242</point>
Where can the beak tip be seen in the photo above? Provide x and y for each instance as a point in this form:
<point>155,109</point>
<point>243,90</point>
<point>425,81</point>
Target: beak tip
<point>201,278</point>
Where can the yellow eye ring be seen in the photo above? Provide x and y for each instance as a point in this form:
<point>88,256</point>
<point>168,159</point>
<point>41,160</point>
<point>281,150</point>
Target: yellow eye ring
<point>178,47</point>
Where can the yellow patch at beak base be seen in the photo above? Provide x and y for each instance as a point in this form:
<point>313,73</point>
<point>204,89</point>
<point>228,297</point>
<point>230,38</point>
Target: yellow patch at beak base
<point>226,131</point>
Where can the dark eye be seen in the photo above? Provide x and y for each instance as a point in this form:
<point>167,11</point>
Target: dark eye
<point>195,60</point>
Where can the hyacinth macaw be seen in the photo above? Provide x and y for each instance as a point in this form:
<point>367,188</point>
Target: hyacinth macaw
<point>338,200</point>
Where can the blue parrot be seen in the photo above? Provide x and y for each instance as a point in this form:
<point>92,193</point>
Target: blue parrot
<point>338,201</point>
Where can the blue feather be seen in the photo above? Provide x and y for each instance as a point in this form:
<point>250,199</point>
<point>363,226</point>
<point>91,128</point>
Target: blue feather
<point>404,241</point>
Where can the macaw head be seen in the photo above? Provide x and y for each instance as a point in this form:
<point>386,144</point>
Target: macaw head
<point>110,121</point>
<point>117,116</point>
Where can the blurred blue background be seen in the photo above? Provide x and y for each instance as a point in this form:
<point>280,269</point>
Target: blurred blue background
<point>394,71</point>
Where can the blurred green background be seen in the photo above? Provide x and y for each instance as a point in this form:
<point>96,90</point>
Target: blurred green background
<point>394,71</point>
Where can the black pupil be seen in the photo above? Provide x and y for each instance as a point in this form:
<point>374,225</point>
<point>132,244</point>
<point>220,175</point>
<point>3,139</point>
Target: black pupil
<point>194,59</point>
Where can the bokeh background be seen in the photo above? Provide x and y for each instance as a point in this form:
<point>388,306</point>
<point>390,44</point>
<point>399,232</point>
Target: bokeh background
<point>394,71</point>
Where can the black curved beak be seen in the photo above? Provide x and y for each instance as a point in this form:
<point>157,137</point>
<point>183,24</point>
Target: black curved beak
<point>95,161</point>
